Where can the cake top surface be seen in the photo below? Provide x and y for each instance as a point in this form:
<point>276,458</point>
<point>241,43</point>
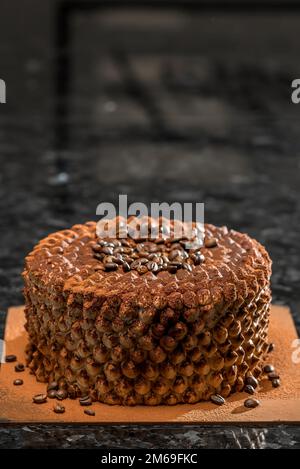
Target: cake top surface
<point>225,266</point>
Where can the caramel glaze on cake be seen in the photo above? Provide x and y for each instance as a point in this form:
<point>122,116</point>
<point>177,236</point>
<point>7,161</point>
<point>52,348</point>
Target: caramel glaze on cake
<point>156,338</point>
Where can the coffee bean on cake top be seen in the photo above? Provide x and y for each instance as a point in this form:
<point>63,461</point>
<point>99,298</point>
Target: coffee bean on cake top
<point>149,321</point>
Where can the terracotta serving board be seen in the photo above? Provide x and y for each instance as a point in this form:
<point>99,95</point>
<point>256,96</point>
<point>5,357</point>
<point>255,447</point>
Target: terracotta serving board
<point>281,405</point>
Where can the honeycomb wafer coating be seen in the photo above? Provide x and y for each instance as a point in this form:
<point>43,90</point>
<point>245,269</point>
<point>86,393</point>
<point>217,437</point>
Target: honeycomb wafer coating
<point>147,338</point>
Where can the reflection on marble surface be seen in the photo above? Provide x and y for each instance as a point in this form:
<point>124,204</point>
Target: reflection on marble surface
<point>154,436</point>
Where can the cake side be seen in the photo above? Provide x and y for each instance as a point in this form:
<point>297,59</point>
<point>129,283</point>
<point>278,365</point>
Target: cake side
<point>152,338</point>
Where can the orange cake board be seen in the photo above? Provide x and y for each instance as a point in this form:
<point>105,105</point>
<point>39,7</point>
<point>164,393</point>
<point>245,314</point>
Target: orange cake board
<point>280,405</point>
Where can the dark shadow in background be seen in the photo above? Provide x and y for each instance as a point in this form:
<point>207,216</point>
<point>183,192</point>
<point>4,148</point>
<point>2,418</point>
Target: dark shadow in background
<point>64,14</point>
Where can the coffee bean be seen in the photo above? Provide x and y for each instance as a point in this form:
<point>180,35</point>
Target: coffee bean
<point>125,242</point>
<point>135,256</point>
<point>97,248</point>
<point>152,248</point>
<point>144,255</point>
<point>127,251</point>
<point>275,383</point>
<point>102,243</point>
<point>51,394</point>
<point>152,266</point>
<point>273,375</point>
<point>119,250</point>
<point>19,367</point>
<point>251,403</point>
<point>142,269</point>
<point>187,267</point>
<point>39,398</point>
<point>85,401</point>
<point>197,258</point>
<point>144,261</point>
<point>269,368</point>
<point>171,268</point>
<point>108,259</point>
<point>140,247</point>
<point>110,266</point>
<point>153,257</point>
<point>126,267</point>
<point>110,244</point>
<point>128,259</point>
<point>89,412</point>
<point>118,259</point>
<point>116,243</point>
<point>217,399</point>
<point>252,381</point>
<point>174,253</point>
<point>184,255</point>
<point>178,265</point>
<point>107,251</point>
<point>10,358</point>
<point>59,409</point>
<point>52,385</point>
<point>99,257</point>
<point>271,347</point>
<point>18,382</point>
<point>61,394</point>
<point>210,242</point>
<point>135,264</point>
<point>249,389</point>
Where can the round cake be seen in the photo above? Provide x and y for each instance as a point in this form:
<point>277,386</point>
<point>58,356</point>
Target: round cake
<point>147,321</point>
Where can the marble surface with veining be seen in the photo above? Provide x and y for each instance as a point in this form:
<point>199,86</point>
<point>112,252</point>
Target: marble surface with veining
<point>180,108</point>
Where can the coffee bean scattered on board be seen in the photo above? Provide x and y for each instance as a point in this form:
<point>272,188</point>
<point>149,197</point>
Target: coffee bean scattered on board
<point>19,367</point>
<point>18,382</point>
<point>269,368</point>
<point>275,383</point>
<point>39,398</point>
<point>89,412</point>
<point>51,394</point>
<point>249,389</point>
<point>251,403</point>
<point>10,358</point>
<point>252,381</point>
<point>271,347</point>
<point>273,375</point>
<point>59,409</point>
<point>217,399</point>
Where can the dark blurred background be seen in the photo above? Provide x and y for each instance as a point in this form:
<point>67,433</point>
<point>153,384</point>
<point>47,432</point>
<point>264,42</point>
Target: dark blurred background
<point>160,100</point>
<point>164,101</point>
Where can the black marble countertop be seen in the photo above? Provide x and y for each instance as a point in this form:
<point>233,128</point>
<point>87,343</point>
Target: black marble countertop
<point>177,107</point>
